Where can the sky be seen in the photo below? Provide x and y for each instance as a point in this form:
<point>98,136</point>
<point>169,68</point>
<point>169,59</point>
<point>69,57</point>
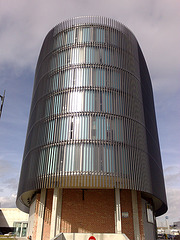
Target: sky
<point>23,27</point>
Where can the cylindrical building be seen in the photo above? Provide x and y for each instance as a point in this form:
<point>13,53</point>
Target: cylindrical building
<point>92,159</point>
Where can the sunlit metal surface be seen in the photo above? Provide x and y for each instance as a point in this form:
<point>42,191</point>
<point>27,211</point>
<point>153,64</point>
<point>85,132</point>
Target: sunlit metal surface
<point>92,120</point>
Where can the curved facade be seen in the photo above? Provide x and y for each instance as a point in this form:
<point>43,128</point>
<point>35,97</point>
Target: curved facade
<point>92,119</point>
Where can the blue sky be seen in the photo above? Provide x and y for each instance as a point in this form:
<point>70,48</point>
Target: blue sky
<point>23,27</point>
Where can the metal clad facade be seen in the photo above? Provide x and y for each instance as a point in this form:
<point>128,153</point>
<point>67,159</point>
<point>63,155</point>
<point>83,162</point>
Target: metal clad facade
<point>87,124</point>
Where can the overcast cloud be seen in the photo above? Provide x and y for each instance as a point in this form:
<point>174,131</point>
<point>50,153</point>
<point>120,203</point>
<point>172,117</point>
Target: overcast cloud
<point>23,27</point>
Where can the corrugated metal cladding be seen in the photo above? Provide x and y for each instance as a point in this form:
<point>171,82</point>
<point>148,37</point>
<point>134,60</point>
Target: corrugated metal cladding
<point>92,121</point>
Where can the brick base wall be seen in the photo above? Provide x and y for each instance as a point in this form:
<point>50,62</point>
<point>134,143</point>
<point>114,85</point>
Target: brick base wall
<point>141,228</point>
<point>47,214</point>
<point>126,206</point>
<point>90,210</point>
<point>87,211</point>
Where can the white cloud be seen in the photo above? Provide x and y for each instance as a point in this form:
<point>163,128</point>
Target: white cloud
<point>173,197</point>
<point>8,201</point>
<point>155,23</point>
<point>172,176</point>
<point>172,180</point>
<point>4,166</point>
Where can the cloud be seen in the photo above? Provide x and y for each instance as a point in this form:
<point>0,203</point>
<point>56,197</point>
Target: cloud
<point>8,202</point>
<point>8,162</point>
<point>11,183</point>
<point>173,195</point>
<point>151,21</point>
<point>171,169</point>
<point>4,167</point>
<point>9,173</point>
<point>172,179</point>
<point>172,176</point>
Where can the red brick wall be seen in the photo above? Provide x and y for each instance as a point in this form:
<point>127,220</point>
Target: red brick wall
<point>141,228</point>
<point>36,216</point>
<point>126,206</point>
<point>47,214</point>
<point>93,214</point>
